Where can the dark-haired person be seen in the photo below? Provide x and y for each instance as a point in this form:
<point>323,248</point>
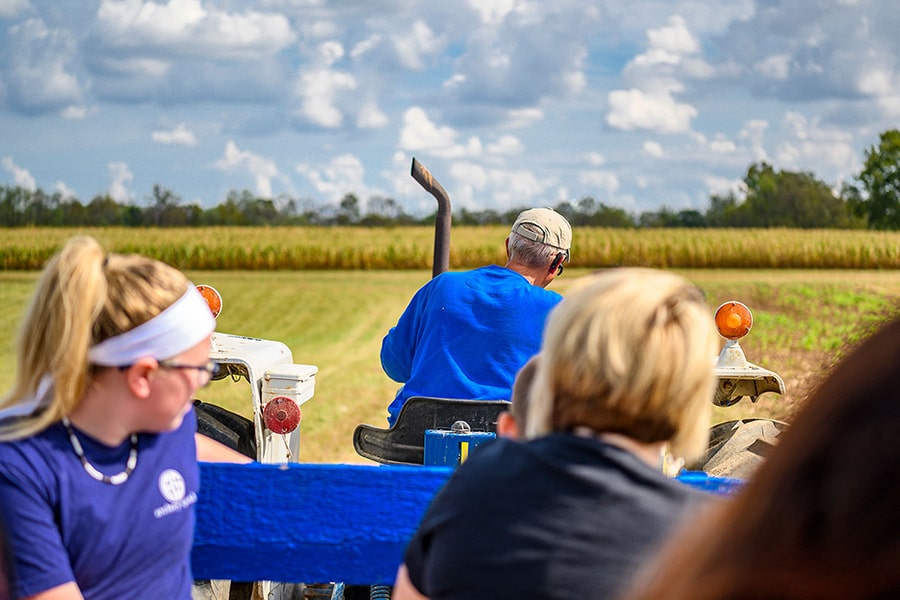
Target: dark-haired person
<point>623,380</point>
<point>819,519</point>
<point>465,334</point>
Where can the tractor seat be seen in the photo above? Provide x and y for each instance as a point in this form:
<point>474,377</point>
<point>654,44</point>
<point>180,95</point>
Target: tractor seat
<point>404,443</point>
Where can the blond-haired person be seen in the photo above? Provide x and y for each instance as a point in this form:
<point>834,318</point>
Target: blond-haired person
<point>98,456</point>
<point>624,380</point>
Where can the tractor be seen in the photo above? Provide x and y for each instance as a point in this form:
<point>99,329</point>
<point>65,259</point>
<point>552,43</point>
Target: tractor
<point>437,430</point>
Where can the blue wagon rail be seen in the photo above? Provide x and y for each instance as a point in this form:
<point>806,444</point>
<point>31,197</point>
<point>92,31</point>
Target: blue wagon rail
<point>319,522</point>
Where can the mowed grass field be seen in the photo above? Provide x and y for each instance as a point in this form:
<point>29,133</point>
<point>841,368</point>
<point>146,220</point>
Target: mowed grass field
<point>804,321</point>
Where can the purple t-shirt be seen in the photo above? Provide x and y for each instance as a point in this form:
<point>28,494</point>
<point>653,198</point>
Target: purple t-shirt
<point>125,541</point>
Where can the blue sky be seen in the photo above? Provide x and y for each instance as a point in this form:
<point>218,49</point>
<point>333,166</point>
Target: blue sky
<point>638,104</point>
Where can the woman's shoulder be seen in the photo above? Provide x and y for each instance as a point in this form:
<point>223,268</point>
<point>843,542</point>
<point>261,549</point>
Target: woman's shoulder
<point>33,459</point>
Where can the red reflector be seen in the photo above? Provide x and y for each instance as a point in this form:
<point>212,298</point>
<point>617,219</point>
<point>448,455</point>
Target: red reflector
<point>281,415</point>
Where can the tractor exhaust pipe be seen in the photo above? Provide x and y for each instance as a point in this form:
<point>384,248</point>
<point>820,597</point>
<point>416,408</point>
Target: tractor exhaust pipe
<point>442,219</point>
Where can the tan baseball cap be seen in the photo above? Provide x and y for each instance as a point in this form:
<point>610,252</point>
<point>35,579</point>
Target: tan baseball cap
<point>545,226</point>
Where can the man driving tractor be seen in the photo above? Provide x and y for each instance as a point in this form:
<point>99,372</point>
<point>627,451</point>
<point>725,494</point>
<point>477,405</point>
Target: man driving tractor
<point>465,334</point>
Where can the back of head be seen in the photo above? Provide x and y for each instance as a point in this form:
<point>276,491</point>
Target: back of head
<point>83,297</point>
<point>628,351</point>
<point>538,235</point>
<point>521,392</point>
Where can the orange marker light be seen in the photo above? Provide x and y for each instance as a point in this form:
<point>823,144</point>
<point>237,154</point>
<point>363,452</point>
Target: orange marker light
<point>733,320</point>
<point>212,297</point>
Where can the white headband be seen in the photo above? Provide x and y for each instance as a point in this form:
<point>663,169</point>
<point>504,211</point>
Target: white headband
<point>178,328</point>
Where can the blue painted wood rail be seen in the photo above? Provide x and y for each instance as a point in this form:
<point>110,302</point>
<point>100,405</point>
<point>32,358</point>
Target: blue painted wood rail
<point>308,522</point>
<point>319,522</point>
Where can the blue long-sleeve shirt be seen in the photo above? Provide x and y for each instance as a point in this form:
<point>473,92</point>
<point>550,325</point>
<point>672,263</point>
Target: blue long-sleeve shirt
<point>465,335</point>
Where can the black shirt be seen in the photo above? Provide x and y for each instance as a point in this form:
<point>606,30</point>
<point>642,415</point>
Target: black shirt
<point>557,517</point>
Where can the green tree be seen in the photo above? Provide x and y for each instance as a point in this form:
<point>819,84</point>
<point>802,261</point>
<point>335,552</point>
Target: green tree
<point>13,201</point>
<point>787,199</point>
<point>165,210</point>
<point>104,211</point>
<point>880,181</point>
<point>348,210</point>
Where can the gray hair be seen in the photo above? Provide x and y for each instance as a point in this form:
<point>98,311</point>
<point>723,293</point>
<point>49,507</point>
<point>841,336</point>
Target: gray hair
<point>530,253</point>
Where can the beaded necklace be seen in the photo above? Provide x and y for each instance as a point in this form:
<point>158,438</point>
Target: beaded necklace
<point>118,478</point>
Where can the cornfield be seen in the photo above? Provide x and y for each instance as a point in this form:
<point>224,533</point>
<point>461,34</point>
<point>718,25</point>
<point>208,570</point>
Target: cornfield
<point>316,248</point>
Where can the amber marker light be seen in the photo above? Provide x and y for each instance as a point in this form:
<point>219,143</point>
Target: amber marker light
<point>213,298</point>
<point>733,320</point>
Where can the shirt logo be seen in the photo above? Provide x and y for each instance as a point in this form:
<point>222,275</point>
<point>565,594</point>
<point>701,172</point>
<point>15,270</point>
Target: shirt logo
<point>173,489</point>
<point>171,485</point>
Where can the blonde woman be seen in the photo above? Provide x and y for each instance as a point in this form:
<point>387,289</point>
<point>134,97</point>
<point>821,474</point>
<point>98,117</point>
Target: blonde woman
<point>624,381</point>
<point>98,458</point>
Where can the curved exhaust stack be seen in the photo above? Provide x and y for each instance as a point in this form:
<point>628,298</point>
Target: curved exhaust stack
<point>441,220</point>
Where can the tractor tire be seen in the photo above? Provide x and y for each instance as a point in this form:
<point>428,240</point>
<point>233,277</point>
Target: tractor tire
<point>737,448</point>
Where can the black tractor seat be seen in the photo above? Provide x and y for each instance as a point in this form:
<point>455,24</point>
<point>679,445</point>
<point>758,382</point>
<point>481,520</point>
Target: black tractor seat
<point>404,443</point>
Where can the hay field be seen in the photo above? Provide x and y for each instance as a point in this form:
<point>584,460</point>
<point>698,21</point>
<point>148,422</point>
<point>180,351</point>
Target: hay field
<point>323,248</point>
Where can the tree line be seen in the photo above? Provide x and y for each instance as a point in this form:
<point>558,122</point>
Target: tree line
<point>770,198</point>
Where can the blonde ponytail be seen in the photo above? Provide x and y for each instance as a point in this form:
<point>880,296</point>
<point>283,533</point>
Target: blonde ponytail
<point>83,297</point>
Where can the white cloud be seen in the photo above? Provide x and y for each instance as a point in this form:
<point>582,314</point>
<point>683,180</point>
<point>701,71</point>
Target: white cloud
<point>722,145</point>
<point>412,46</point>
<point>477,187</point>
<point>421,134</point>
<point>121,176</point>
<point>153,68</point>
<point>344,174</point>
<point>21,177</point>
<point>876,80</point>
<point>754,132</point>
<point>320,88</point>
<point>813,145</point>
<point>180,135</point>
<point>674,37</point>
<point>651,148</point>
<point>260,168</point>
<point>366,46</point>
<point>74,113</point>
<point>723,186</point>
<point>524,117</point>
<point>370,116</point>
<point>188,27</point>
<point>536,53</point>
<point>13,8</point>
<point>40,77</point>
<point>777,66</point>
<point>64,191</point>
<point>318,91</point>
<point>882,83</point>
<point>607,181</point>
<point>595,159</point>
<point>492,12</point>
<point>506,145</point>
<point>670,48</point>
<point>636,109</point>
